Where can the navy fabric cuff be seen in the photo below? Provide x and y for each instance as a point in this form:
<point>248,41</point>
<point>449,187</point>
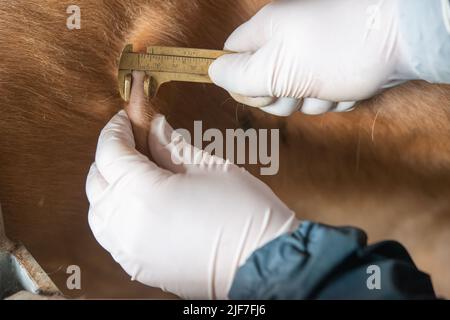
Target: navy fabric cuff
<point>322,262</point>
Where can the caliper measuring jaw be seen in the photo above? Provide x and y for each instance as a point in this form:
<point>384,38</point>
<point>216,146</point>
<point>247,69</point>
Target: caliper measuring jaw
<point>164,64</point>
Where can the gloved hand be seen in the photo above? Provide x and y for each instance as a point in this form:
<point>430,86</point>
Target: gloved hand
<point>184,228</point>
<point>328,52</point>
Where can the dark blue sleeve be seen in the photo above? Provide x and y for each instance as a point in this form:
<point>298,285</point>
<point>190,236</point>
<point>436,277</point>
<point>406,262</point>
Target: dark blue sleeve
<point>323,262</point>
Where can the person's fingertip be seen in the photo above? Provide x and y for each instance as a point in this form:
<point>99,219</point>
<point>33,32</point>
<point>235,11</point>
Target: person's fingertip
<point>158,120</point>
<point>283,107</point>
<point>255,102</point>
<point>96,223</point>
<point>120,119</point>
<point>312,106</point>
<point>215,69</point>
<point>160,131</point>
<point>93,171</point>
<point>137,96</point>
<point>95,184</point>
<point>239,73</point>
<point>345,106</point>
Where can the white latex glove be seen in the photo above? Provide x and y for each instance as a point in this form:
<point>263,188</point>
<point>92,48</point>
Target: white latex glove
<point>328,52</point>
<point>183,228</point>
